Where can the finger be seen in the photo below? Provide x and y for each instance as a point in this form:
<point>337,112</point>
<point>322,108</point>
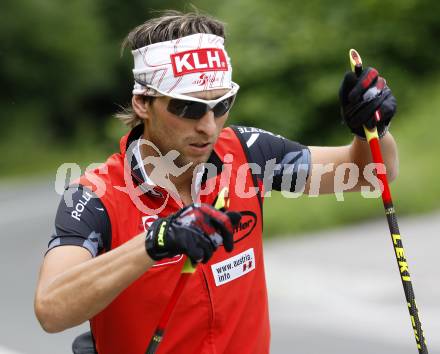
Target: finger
<point>201,221</point>
<point>221,219</point>
<point>216,240</point>
<point>365,81</point>
<point>195,254</point>
<point>235,217</point>
<point>381,83</point>
<point>226,234</point>
<point>347,85</point>
<point>228,242</point>
<point>388,108</point>
<point>223,223</point>
<point>207,246</point>
<point>222,227</point>
<point>189,246</point>
<point>363,113</point>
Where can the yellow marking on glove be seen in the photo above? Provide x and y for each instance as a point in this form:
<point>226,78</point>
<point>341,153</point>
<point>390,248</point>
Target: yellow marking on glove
<point>160,240</point>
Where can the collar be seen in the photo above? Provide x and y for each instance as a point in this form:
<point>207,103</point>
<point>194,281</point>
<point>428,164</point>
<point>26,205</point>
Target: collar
<point>140,178</point>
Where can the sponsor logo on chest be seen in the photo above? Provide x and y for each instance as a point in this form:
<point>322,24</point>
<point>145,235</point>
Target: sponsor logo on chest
<point>246,226</point>
<point>234,267</point>
<point>198,60</point>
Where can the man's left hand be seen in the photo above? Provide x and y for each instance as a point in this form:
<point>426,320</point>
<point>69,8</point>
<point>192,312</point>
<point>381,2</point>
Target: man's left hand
<point>361,96</point>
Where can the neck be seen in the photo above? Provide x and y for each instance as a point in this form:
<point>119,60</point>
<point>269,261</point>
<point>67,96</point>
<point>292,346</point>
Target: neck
<point>164,172</point>
<point>184,181</point>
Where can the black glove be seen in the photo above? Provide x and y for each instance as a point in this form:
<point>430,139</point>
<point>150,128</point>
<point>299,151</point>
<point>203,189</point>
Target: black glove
<point>361,97</point>
<point>196,230</point>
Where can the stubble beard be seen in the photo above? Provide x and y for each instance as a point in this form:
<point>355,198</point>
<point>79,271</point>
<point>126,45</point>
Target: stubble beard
<point>183,160</point>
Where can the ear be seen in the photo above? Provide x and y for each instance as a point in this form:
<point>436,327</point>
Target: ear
<point>141,106</point>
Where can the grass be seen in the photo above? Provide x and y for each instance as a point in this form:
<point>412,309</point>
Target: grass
<point>28,158</point>
<point>416,190</point>
<point>32,154</point>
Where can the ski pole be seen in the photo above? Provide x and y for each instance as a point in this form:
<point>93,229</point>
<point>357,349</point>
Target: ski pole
<point>187,270</point>
<point>373,141</point>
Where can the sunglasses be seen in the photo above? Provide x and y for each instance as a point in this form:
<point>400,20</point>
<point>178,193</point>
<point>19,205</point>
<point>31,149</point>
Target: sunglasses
<point>189,107</point>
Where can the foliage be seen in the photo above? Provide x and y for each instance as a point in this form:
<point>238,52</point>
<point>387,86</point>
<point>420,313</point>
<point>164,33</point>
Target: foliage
<point>290,56</point>
<point>63,77</point>
<point>62,72</point>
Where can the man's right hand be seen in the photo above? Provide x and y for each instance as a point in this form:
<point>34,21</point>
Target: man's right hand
<point>196,230</point>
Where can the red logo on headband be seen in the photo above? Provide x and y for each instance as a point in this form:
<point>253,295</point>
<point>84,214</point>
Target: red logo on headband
<point>198,60</point>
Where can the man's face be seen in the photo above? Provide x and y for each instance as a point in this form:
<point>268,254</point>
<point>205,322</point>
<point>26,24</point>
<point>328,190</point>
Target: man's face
<point>194,139</point>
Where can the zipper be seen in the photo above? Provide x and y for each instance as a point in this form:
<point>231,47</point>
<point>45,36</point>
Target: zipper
<point>211,324</point>
<point>209,294</point>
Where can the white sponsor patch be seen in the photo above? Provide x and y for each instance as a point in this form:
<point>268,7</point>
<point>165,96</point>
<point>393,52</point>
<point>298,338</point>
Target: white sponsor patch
<point>234,267</point>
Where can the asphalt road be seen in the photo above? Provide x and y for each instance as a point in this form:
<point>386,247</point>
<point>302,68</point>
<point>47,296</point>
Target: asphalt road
<point>340,291</point>
<point>335,292</point>
<point>27,211</point>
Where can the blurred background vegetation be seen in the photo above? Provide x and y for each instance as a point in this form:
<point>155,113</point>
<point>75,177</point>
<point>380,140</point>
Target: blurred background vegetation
<point>63,79</point>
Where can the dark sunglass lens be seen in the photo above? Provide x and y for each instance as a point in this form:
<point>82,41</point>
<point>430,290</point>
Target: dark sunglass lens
<point>177,107</point>
<point>187,109</point>
<point>223,107</point>
<point>196,110</point>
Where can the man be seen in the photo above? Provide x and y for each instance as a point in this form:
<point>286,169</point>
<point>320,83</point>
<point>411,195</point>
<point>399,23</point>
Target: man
<point>135,220</point>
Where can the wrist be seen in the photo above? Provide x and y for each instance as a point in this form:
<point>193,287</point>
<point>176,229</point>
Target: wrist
<point>383,131</point>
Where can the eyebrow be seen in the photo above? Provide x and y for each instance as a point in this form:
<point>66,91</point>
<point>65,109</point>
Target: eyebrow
<point>211,98</point>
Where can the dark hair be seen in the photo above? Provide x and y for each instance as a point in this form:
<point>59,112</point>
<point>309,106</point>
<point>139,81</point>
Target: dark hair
<point>169,25</point>
<point>172,25</point>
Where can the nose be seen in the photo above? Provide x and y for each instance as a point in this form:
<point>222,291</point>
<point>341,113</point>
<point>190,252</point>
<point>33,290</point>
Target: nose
<point>207,124</point>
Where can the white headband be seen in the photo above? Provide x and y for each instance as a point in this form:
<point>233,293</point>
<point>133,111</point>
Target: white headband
<point>193,63</point>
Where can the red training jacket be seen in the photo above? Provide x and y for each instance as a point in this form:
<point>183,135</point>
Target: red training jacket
<point>224,307</point>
